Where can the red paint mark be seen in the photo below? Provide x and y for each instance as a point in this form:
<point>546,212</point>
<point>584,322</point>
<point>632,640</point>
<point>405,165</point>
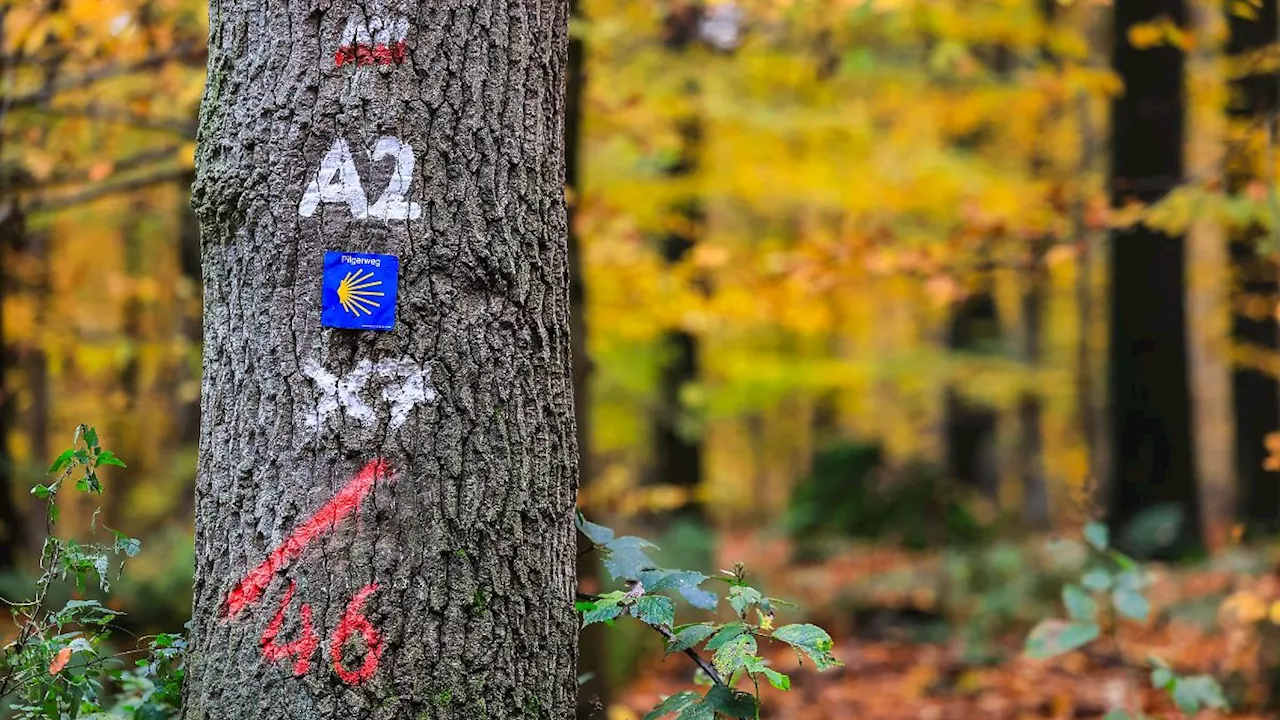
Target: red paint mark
<point>302,648</point>
<point>381,54</point>
<point>353,621</point>
<point>342,506</point>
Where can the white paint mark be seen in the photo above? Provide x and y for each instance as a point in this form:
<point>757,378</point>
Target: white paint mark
<point>378,31</point>
<point>400,384</point>
<point>338,181</point>
<point>393,205</point>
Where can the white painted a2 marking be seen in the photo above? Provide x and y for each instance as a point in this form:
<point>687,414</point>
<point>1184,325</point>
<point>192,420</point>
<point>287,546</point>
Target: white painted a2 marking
<point>338,181</point>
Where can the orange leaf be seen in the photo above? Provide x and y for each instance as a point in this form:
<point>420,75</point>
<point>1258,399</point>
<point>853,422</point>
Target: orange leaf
<point>99,171</point>
<point>60,661</point>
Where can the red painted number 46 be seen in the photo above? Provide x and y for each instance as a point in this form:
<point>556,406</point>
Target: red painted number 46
<point>353,623</point>
<point>302,649</point>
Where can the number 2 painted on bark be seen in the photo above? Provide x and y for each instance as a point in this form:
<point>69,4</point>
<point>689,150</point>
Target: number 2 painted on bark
<point>252,586</point>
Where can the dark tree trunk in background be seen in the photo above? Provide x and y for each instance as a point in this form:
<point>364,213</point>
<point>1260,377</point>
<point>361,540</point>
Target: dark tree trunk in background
<point>593,694</point>
<point>1150,405</point>
<point>677,456</point>
<point>12,230</point>
<point>384,523</point>
<point>1030,449</point>
<point>1256,391</point>
<point>970,426</point>
<point>24,271</point>
<point>1035,287</point>
<point>185,410</point>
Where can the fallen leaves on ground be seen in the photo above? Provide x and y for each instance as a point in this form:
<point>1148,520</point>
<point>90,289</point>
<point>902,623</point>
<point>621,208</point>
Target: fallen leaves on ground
<point>901,679</point>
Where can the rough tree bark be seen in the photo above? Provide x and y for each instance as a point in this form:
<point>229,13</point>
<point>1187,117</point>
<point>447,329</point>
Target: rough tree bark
<point>384,523</point>
<point>1150,403</point>
<point>1256,391</point>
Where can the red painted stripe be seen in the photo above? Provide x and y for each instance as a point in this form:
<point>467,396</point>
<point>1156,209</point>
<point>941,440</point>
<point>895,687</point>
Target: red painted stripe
<point>342,506</point>
<point>381,54</point>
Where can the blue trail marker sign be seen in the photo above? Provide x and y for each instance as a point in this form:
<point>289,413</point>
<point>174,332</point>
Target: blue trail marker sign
<point>359,291</point>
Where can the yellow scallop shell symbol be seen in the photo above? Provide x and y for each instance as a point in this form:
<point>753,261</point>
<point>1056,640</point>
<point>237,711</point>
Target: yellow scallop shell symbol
<point>356,294</point>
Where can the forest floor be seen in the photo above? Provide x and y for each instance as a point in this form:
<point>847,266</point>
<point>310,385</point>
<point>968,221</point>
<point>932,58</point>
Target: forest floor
<point>894,670</point>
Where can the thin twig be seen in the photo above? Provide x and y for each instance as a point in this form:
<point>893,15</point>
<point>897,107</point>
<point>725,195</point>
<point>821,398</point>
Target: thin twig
<point>99,192</point>
<point>193,56</point>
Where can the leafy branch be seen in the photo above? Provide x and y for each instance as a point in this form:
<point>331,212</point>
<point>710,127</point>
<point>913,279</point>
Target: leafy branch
<point>55,665</point>
<point>733,646</point>
<point>1114,582</point>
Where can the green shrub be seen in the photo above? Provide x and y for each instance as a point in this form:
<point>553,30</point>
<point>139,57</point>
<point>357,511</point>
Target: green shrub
<point>63,662</point>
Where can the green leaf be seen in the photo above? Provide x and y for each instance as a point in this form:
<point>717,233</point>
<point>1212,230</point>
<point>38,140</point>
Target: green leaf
<point>1131,579</point>
<point>1098,580</point>
<point>1118,715</point>
<point>625,558</point>
<point>1124,561</point>
<point>733,655</point>
<point>109,458</point>
<point>1201,691</point>
<point>1131,604</point>
<point>61,462</point>
<point>91,437</point>
<point>1055,637</point>
<point>656,610</point>
<point>125,544</point>
<point>1161,677</point>
<point>729,702</point>
<point>812,640</point>
<point>673,704</point>
<point>725,634</point>
<point>686,582</point>
<point>1096,534</point>
<point>777,679</point>
<point>1079,605</point>
<point>41,491</point>
<point>689,637</point>
<point>602,613</point>
<point>597,534</point>
<point>742,597</point>
<point>584,606</point>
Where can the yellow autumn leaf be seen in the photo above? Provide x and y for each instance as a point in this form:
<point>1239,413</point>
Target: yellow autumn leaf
<point>1245,607</point>
<point>1145,35</point>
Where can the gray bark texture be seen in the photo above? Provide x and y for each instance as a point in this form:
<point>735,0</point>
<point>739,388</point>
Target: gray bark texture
<point>442,587</point>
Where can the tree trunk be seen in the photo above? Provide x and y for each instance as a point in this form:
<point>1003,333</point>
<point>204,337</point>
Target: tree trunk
<point>12,535</point>
<point>593,694</point>
<point>1153,455</point>
<point>677,455</point>
<point>1035,286</point>
<point>970,426</point>
<point>384,524</point>
<point>1030,450</point>
<point>1256,391</point>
